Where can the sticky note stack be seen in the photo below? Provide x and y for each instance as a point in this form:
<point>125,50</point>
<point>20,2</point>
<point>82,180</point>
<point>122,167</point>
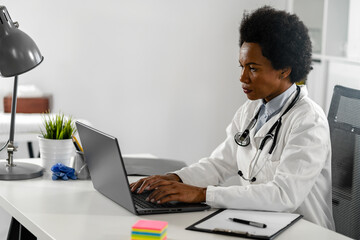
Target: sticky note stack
<point>149,230</point>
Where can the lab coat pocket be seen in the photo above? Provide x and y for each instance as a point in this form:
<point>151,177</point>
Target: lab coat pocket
<point>270,168</point>
<point>265,170</point>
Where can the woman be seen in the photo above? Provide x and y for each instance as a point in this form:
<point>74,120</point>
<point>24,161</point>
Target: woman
<point>292,173</point>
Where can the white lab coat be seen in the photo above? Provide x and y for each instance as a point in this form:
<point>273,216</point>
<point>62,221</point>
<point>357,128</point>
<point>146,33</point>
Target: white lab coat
<point>295,178</point>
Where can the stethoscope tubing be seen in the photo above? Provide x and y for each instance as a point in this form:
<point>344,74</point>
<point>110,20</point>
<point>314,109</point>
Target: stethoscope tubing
<point>276,126</point>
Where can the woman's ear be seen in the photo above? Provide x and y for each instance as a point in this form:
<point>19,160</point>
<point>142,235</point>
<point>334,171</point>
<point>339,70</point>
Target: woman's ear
<point>285,72</point>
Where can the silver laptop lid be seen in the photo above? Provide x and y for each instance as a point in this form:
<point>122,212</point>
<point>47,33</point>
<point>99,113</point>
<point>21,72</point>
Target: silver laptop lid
<point>107,170</point>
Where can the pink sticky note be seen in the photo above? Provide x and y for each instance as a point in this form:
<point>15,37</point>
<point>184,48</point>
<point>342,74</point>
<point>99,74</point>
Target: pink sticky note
<point>150,225</point>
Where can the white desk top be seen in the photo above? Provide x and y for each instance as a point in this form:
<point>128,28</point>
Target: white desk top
<point>75,210</point>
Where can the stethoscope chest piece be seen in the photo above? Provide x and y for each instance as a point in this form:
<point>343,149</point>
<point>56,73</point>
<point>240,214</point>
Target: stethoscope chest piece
<point>242,139</point>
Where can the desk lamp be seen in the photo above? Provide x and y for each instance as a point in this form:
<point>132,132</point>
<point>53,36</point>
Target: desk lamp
<point>18,54</point>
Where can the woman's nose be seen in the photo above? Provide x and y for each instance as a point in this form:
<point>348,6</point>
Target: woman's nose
<point>244,77</point>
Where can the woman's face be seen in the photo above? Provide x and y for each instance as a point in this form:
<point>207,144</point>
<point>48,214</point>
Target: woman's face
<point>259,79</point>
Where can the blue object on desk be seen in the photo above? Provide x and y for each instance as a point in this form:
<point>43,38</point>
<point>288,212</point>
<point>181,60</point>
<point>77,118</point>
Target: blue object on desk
<point>60,171</point>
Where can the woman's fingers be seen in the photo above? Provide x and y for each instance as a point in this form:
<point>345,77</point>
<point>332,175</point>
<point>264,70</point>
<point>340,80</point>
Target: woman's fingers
<point>136,185</point>
<point>161,191</point>
<point>159,183</point>
<point>165,191</point>
<point>145,183</point>
<point>168,198</point>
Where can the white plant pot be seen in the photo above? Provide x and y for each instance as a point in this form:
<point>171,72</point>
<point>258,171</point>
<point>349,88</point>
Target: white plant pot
<point>54,151</point>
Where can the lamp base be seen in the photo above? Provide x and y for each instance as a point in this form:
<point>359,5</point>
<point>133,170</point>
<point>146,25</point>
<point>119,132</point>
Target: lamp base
<point>20,171</point>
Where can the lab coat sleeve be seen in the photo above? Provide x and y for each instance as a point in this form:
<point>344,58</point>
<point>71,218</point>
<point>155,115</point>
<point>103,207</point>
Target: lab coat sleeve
<point>305,150</point>
<point>218,167</point>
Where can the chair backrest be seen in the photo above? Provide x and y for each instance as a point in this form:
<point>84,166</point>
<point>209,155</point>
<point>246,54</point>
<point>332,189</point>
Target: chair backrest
<point>344,122</point>
<point>151,166</point>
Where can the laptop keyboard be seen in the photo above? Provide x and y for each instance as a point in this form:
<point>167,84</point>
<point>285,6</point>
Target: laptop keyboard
<point>139,200</point>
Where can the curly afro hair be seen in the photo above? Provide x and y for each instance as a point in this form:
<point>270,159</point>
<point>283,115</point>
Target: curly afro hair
<point>283,38</point>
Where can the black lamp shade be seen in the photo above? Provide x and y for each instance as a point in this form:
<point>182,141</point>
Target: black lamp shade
<point>18,52</point>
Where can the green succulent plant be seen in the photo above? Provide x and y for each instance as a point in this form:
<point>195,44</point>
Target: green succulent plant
<point>57,126</point>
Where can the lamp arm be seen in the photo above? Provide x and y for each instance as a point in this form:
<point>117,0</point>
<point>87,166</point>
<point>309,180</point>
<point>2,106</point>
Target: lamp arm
<point>11,147</point>
<point>13,110</point>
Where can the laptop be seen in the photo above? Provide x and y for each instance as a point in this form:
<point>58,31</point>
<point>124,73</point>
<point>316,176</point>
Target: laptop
<point>109,177</point>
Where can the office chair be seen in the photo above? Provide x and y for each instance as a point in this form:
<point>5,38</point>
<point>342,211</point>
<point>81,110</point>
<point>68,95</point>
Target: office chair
<point>344,122</point>
<point>151,166</point>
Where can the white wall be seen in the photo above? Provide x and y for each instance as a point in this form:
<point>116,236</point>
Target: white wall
<point>312,18</point>
<point>161,75</point>
<point>344,74</point>
<point>353,50</point>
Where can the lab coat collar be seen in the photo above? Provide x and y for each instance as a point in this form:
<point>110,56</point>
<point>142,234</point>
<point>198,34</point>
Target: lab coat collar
<point>265,128</point>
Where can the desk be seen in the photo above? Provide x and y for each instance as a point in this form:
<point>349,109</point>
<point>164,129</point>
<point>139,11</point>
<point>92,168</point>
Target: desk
<point>75,210</point>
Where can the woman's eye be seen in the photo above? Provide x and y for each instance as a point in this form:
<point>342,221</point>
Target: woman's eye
<point>252,69</point>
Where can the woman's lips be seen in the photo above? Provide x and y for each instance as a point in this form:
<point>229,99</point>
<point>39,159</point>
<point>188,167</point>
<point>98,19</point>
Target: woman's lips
<point>246,90</point>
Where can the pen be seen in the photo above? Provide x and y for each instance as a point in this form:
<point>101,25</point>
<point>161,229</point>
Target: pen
<point>251,223</point>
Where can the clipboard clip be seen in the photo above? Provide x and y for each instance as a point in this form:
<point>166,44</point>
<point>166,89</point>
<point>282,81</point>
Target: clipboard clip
<point>222,230</point>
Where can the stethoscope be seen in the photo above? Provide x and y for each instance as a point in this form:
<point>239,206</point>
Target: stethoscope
<point>243,138</point>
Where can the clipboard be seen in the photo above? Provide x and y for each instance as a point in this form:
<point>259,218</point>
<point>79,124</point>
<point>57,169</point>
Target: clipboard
<point>218,223</point>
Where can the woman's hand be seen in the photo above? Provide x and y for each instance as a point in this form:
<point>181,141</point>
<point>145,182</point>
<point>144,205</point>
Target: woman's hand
<point>168,188</point>
<point>146,183</point>
<point>166,191</point>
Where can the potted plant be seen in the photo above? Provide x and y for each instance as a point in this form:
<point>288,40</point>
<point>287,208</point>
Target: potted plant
<point>55,142</point>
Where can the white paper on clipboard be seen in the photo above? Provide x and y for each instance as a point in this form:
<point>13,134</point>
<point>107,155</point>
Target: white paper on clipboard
<point>275,221</point>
